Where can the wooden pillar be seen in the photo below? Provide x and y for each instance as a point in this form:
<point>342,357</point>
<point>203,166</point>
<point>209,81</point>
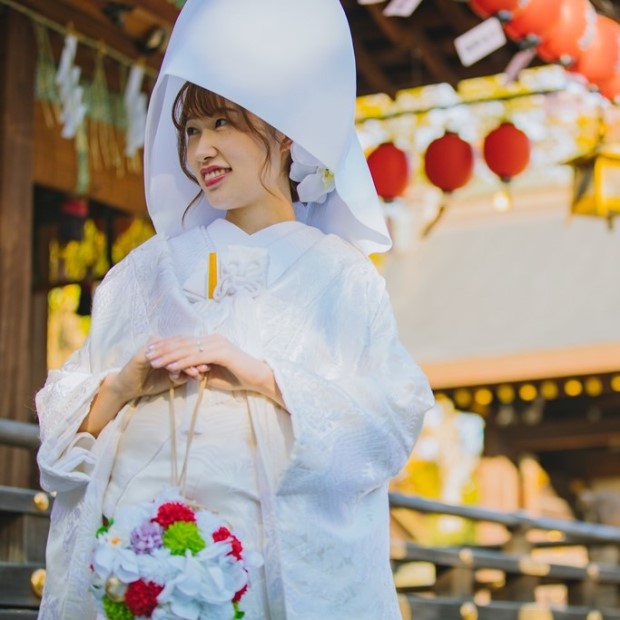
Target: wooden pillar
<point>17,82</point>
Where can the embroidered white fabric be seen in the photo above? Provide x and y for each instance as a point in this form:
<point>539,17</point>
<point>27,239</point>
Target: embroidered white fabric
<point>355,403</point>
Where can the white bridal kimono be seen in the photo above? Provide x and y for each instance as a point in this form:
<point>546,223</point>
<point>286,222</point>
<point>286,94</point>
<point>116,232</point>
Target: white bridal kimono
<point>306,487</point>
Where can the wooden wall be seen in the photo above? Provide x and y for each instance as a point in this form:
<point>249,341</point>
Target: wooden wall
<point>17,70</point>
<point>33,153</point>
<point>55,166</point>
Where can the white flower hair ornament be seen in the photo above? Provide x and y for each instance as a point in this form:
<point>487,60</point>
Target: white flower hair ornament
<point>315,181</point>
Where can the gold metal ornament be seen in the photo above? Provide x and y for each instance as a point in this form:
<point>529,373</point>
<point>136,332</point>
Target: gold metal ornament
<point>42,501</point>
<point>115,589</point>
<point>468,611</point>
<point>37,581</point>
<point>466,556</point>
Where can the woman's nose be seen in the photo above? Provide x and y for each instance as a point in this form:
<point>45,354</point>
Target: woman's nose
<point>205,148</point>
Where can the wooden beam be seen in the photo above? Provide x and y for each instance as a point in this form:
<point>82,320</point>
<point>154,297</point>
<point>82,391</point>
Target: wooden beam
<point>17,80</point>
<point>366,65</point>
<point>412,37</point>
<point>458,18</point>
<point>582,465</point>
<point>85,24</point>
<point>576,361</point>
<point>563,435</point>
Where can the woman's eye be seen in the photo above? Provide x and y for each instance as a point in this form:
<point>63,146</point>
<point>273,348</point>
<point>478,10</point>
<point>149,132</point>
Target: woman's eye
<point>220,122</point>
<point>191,131</point>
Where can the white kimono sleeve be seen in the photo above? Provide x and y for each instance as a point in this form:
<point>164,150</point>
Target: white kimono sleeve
<point>65,457</point>
<point>355,432</point>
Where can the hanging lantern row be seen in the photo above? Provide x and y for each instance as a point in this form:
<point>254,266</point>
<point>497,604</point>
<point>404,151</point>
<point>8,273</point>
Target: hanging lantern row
<point>449,165</point>
<point>569,32</point>
<point>449,161</point>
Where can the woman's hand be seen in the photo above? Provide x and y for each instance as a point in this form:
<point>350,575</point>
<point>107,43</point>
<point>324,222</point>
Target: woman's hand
<point>140,378</point>
<point>137,378</point>
<point>226,365</point>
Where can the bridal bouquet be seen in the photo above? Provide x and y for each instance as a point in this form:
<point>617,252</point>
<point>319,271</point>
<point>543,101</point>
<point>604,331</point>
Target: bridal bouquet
<point>168,560</point>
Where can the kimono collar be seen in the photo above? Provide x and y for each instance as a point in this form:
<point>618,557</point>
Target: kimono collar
<point>237,260</point>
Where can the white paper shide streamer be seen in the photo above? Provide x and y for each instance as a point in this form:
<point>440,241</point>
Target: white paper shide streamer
<point>71,93</point>
<point>135,108</point>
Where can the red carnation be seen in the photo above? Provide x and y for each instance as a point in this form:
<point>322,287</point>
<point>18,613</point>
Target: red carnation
<point>240,594</point>
<point>171,512</point>
<point>141,597</point>
<point>237,548</point>
<point>222,534</point>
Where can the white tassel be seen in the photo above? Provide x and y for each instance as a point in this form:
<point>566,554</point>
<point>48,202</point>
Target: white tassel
<point>71,93</point>
<point>135,108</point>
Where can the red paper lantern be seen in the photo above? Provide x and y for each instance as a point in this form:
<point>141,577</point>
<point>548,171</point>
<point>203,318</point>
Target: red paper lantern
<point>506,151</point>
<point>485,8</point>
<point>598,62</point>
<point>572,33</point>
<point>449,162</point>
<point>389,169</point>
<point>533,19</point>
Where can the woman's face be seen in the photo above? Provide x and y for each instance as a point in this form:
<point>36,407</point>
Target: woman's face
<point>229,162</point>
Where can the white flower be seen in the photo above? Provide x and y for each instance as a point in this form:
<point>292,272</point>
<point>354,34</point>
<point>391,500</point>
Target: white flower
<point>114,559</point>
<point>315,180</point>
<point>156,566</point>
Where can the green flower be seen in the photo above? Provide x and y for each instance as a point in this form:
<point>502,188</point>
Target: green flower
<point>181,536</point>
<point>116,611</point>
<point>238,613</point>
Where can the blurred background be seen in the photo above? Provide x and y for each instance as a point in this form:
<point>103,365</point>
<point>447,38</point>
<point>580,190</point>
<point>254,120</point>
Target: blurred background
<point>493,136</point>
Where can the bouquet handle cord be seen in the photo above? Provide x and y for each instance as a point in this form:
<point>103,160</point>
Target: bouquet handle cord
<point>179,480</point>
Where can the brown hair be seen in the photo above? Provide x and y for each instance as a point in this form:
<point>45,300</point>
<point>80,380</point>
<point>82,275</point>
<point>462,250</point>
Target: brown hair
<point>196,102</point>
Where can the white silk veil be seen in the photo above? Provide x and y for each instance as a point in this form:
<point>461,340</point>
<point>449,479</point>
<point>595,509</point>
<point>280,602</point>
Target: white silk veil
<point>291,63</point>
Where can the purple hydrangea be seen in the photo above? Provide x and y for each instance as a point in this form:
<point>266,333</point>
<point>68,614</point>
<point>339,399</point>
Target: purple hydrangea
<point>146,537</point>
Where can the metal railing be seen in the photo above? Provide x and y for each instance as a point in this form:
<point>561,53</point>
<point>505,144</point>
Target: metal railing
<point>19,434</point>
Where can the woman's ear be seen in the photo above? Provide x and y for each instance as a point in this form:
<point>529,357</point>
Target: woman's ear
<point>285,144</point>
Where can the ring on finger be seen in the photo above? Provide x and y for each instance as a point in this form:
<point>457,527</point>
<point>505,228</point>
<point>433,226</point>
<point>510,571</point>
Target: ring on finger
<point>200,345</point>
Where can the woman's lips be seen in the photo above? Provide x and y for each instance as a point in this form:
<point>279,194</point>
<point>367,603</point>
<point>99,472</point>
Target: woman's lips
<point>213,175</point>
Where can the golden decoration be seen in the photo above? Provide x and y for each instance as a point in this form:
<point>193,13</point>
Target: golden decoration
<point>468,611</point>
<point>37,581</point>
<point>596,184</point>
<point>483,396</point>
<point>594,386</point>
<point>528,392</point>
<point>534,568</point>
<point>398,549</point>
<point>549,390</point>
<point>593,571</point>
<point>534,612</point>
<point>573,387</point>
<point>42,501</point>
<point>615,383</point>
<point>405,609</point>
<point>466,556</point>
<point>115,589</point>
<point>506,394</point>
<point>462,398</point>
